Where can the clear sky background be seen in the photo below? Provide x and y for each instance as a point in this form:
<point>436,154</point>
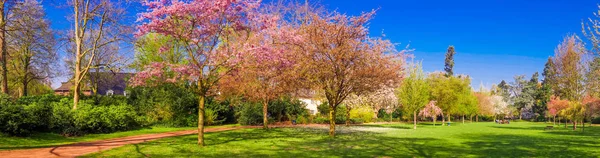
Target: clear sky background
<point>494,40</point>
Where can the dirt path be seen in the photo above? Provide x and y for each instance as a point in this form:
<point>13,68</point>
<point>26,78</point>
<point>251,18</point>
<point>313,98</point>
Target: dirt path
<point>78,149</point>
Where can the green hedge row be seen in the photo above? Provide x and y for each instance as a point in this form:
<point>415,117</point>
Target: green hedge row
<point>51,113</point>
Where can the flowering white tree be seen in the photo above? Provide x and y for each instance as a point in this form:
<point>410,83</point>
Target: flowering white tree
<point>500,105</point>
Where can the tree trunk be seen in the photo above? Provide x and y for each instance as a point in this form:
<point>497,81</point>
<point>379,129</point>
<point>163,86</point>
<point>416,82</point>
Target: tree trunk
<point>476,118</point>
<point>583,126</point>
<point>375,117</point>
<point>443,120</point>
<point>3,53</point>
<point>415,120</point>
<point>392,117</point>
<point>331,120</point>
<point>201,119</point>
<point>434,119</point>
<point>554,120</point>
<point>347,116</point>
<point>574,125</point>
<point>463,119</point>
<point>265,112</point>
<point>565,122</point>
<point>449,118</point>
<point>25,87</point>
<point>76,91</point>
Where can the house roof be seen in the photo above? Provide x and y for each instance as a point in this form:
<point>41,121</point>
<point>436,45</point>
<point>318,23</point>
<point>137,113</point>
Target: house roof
<point>66,86</point>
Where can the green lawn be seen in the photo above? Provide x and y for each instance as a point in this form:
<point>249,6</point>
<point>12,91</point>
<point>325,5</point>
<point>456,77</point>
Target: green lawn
<point>39,140</point>
<point>518,139</point>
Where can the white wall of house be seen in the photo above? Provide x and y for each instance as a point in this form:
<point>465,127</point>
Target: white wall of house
<point>311,105</point>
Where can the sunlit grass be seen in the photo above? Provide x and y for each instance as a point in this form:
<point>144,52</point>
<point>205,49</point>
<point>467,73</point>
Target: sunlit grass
<point>38,140</point>
<point>519,139</point>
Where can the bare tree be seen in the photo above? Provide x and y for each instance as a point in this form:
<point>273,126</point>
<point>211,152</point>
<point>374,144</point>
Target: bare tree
<point>31,43</point>
<point>97,24</point>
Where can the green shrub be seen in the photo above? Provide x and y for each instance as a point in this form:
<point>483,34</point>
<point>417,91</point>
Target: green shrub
<point>596,120</point>
<point>321,120</point>
<point>105,119</point>
<point>62,121</point>
<point>210,117</point>
<point>323,108</point>
<point>286,109</point>
<point>168,104</point>
<point>301,120</point>
<point>356,120</point>
<point>249,113</point>
<point>15,120</point>
<point>46,99</point>
<point>40,116</point>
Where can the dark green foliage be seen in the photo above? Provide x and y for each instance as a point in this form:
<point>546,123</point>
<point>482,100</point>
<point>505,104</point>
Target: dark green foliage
<point>249,113</point>
<point>596,120</point>
<point>286,109</point>
<point>550,78</point>
<point>105,119</point>
<point>49,113</point>
<point>283,109</point>
<point>321,120</point>
<point>449,62</point>
<point>382,114</point>
<point>47,98</point>
<point>168,104</point>
<point>223,110</point>
<point>15,120</point>
<point>323,108</point>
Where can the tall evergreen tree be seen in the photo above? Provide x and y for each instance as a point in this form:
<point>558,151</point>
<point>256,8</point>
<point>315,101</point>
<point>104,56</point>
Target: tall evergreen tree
<point>449,62</point>
<point>504,90</point>
<point>550,76</point>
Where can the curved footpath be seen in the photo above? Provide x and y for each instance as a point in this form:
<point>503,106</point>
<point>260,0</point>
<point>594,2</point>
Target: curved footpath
<point>79,149</point>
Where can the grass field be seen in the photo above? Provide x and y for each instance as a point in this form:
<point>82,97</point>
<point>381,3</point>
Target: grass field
<point>518,139</point>
<point>51,139</point>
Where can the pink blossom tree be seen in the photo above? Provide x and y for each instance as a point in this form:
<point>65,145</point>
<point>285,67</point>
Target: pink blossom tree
<point>215,35</point>
<point>432,111</point>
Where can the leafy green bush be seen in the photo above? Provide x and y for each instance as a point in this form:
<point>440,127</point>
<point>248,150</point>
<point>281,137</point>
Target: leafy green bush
<point>47,99</point>
<point>249,113</point>
<point>301,120</point>
<point>104,119</point>
<point>62,120</point>
<point>286,109</point>
<point>323,108</point>
<point>596,120</point>
<point>356,120</point>
<point>40,116</point>
<point>167,104</point>
<point>15,120</point>
<point>210,117</point>
<point>321,120</point>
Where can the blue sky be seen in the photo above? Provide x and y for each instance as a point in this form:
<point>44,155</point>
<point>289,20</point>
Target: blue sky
<point>494,40</point>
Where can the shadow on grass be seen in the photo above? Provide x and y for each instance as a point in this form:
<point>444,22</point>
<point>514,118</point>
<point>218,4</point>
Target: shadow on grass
<point>314,142</point>
<point>397,126</point>
<point>510,145</point>
<point>301,142</point>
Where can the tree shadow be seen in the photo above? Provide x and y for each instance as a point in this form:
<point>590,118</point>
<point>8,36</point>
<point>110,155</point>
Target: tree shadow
<point>396,126</point>
<point>510,145</point>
